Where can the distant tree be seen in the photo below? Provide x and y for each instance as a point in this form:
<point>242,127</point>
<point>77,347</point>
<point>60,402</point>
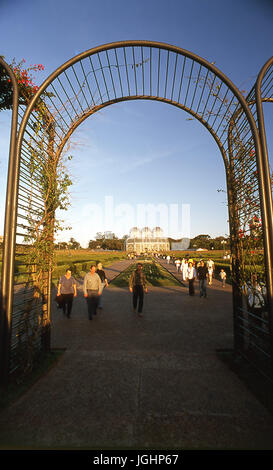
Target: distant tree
<point>205,241</point>
<point>221,243</point>
<point>107,244</point>
<point>204,237</point>
<point>73,244</point>
<point>93,244</point>
<point>201,241</point>
<point>61,245</point>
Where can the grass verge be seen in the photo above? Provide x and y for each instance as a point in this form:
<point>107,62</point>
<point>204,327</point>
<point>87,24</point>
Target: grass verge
<point>155,274</point>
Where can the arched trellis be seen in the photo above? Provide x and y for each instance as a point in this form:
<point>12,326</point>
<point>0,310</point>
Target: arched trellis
<point>124,71</point>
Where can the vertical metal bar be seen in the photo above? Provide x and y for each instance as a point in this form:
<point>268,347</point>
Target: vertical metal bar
<point>266,190</point>
<point>197,83</point>
<point>150,71</point>
<point>167,70</point>
<point>58,112</point>
<point>209,95</point>
<point>103,76</point>
<point>142,61</point>
<point>46,334</point>
<point>85,76</point>
<point>225,116</point>
<point>80,86</point>
<point>94,73</point>
<point>174,75</point>
<point>63,104</point>
<point>211,110</point>
<point>181,80</point>
<point>7,283</point>
<point>188,87</point>
<point>72,88</point>
<point>120,82</point>
<point>158,72</point>
<point>237,298</point>
<point>134,66</point>
<point>202,91</point>
<point>109,65</point>
<point>126,71</point>
<point>219,110</point>
<point>64,90</point>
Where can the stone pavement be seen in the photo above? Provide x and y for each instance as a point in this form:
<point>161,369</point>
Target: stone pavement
<point>116,268</point>
<point>155,382</point>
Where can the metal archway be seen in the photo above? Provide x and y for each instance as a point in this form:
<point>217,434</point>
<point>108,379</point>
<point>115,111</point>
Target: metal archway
<point>133,70</point>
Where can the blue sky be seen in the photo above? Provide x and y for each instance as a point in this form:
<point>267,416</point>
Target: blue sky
<point>140,152</point>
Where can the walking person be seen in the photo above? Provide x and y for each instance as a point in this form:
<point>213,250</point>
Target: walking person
<point>67,290</point>
<point>210,274</point>
<point>185,271</point>
<point>202,273</point>
<point>137,285</point>
<point>92,290</point>
<point>191,278</point>
<point>104,282</point>
<point>210,263</point>
<point>223,276</point>
<point>177,264</point>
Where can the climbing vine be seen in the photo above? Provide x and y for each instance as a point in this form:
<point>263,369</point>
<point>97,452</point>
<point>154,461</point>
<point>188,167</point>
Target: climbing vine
<point>48,181</point>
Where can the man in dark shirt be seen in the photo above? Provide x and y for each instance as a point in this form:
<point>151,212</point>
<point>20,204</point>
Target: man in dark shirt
<point>137,285</point>
<point>202,272</point>
<point>104,282</point>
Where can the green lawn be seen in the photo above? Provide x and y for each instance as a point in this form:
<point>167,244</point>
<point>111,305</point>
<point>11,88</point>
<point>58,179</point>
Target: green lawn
<point>155,274</point>
<point>80,261</point>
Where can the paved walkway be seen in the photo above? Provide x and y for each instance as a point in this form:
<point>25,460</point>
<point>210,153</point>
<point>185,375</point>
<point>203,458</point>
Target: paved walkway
<point>155,382</point>
<point>172,269</point>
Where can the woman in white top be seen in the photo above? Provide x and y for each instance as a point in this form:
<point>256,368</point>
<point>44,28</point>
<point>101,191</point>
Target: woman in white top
<point>177,264</point>
<point>185,271</point>
<point>191,278</point>
<point>210,272</point>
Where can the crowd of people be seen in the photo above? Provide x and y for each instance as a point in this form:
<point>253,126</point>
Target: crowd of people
<point>93,285</point>
<point>192,271</point>
<point>95,281</point>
